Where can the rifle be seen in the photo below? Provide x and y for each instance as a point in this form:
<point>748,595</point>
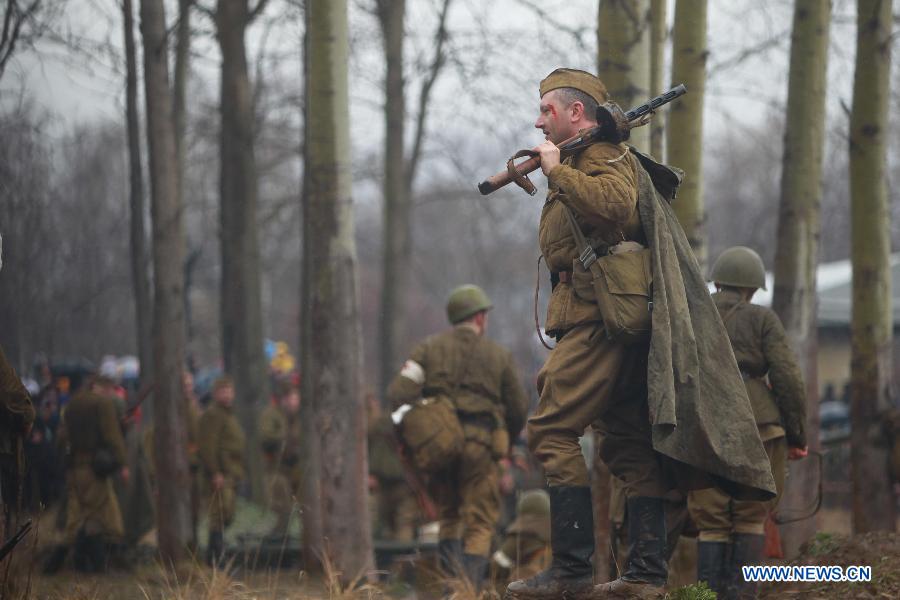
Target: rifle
<point>12,542</point>
<point>613,125</point>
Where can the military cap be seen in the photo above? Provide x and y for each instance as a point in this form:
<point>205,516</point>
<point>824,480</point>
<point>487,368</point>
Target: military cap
<point>574,78</point>
<point>739,266</point>
<point>465,301</point>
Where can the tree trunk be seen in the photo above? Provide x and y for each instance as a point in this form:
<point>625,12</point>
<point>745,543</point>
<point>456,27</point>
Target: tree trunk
<point>659,35</point>
<point>140,261</point>
<point>330,349</point>
<point>874,505</point>
<point>179,113</point>
<point>241,311</point>
<point>397,245</point>
<point>685,129</point>
<point>797,249</point>
<point>623,56</point>
<point>170,436</point>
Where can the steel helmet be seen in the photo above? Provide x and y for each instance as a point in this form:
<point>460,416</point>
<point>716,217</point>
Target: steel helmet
<point>465,301</point>
<point>739,266</point>
<point>534,502</point>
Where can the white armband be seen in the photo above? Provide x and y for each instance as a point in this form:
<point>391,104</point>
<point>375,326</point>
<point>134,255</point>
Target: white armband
<point>413,371</point>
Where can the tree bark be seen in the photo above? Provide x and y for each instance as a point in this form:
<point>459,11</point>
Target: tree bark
<point>797,243</point>
<point>623,56</point>
<point>397,244</point>
<point>659,36</point>
<point>685,127</point>
<point>241,310</point>
<point>330,347</point>
<point>170,436</point>
<point>874,505</point>
<point>140,261</point>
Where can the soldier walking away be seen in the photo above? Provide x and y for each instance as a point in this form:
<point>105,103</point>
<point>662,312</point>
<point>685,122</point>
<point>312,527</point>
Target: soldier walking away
<point>480,379</point>
<point>91,437</point>
<point>669,412</point>
<point>279,432</point>
<point>221,449</point>
<point>731,531</point>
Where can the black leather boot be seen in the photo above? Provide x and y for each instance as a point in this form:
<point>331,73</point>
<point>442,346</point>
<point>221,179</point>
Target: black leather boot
<point>746,549</point>
<point>646,570</point>
<point>570,575</point>
<point>475,568</point>
<point>450,556</point>
<point>712,562</point>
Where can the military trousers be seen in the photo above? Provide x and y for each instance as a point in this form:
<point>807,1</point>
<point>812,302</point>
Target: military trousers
<point>396,511</point>
<point>717,515</point>
<point>221,505</point>
<point>282,492</point>
<point>589,380</point>
<point>468,499</point>
<point>91,505</point>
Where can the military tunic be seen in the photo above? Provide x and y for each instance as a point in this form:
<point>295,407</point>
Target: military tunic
<point>91,425</point>
<point>481,379</point>
<point>778,398</point>
<point>221,451</point>
<point>589,379</point>
<point>279,435</point>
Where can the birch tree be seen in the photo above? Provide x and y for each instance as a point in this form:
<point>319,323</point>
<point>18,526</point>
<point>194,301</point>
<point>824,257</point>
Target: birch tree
<point>623,56</point>
<point>170,436</point>
<point>874,504</point>
<point>685,125</point>
<point>659,36</point>
<point>331,352</point>
<point>797,244</point>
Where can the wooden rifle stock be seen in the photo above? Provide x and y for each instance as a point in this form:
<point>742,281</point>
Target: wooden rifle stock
<point>613,126</point>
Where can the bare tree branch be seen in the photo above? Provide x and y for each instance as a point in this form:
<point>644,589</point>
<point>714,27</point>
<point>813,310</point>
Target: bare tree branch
<point>257,10</point>
<point>425,94</point>
<point>13,20</point>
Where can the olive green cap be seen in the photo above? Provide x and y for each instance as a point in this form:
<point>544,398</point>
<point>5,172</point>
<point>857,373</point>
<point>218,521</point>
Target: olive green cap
<point>574,78</point>
<point>465,301</point>
<point>739,266</point>
<point>534,502</point>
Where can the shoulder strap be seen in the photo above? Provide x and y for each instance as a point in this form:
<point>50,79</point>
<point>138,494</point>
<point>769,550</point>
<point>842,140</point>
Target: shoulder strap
<point>731,311</point>
<point>586,253</point>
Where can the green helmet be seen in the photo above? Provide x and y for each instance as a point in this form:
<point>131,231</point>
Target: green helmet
<point>534,502</point>
<point>739,266</point>
<point>465,301</point>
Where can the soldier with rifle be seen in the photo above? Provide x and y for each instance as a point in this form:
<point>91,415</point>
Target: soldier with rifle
<point>641,353</point>
<point>478,377</point>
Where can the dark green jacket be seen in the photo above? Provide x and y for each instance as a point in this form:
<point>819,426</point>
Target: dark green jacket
<point>221,442</point>
<point>91,424</point>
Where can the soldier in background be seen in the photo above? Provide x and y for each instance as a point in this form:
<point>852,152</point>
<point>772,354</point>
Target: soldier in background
<point>279,433</point>
<point>395,510</point>
<point>731,531</point>
<point>525,550</point>
<point>221,449</point>
<point>479,377</point>
<point>91,436</point>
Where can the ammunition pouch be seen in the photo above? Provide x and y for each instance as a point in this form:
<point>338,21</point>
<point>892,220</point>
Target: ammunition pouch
<point>620,283</point>
<point>486,429</point>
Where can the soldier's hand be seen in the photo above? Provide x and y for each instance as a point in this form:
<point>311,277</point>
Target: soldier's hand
<point>124,474</point>
<point>218,481</point>
<point>549,156</point>
<point>798,453</point>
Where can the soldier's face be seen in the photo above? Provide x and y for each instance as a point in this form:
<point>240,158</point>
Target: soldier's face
<point>225,395</point>
<point>554,118</point>
<point>291,402</point>
<point>187,384</point>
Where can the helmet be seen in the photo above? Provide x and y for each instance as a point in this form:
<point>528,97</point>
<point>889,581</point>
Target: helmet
<point>465,301</point>
<point>739,266</point>
<point>534,502</point>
